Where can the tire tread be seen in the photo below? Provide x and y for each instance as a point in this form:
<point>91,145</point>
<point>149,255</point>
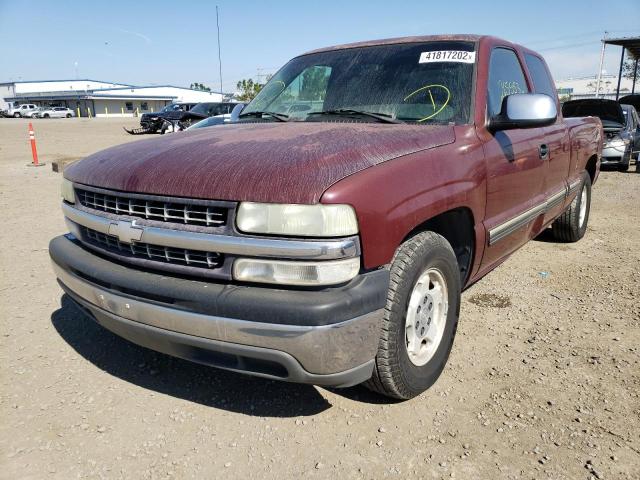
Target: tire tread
<point>386,371</point>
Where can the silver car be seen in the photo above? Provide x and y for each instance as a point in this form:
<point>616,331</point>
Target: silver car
<point>56,112</point>
<point>33,113</point>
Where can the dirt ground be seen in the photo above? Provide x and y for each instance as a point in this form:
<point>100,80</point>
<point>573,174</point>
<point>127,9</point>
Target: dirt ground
<point>543,381</point>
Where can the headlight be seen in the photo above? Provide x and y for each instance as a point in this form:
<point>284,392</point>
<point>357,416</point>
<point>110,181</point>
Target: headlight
<point>295,273</point>
<point>67,191</point>
<point>297,220</point>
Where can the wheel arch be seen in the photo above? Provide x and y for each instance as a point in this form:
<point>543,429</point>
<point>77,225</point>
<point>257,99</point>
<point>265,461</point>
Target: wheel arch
<point>592,168</point>
<point>457,226</point>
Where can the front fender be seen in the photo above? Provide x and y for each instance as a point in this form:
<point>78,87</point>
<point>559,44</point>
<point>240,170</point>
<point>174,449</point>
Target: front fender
<point>394,198</point>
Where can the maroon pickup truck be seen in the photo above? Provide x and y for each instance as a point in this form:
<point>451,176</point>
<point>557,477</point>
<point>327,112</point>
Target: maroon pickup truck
<point>326,236</point>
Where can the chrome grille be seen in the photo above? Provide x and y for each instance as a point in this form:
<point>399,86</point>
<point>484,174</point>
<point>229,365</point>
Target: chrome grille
<point>146,251</point>
<point>163,211</point>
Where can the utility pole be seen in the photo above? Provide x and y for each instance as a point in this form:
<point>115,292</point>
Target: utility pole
<point>219,56</point>
<point>601,63</point>
<point>259,75</point>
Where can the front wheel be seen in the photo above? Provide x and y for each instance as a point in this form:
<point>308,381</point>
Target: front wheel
<point>420,317</point>
<point>16,115</point>
<point>624,166</point>
<point>68,115</point>
<point>572,224</point>
<point>46,115</point>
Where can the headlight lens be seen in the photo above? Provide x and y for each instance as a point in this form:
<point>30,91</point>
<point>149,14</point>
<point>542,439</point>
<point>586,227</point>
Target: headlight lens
<point>295,273</point>
<point>67,191</point>
<point>297,220</point>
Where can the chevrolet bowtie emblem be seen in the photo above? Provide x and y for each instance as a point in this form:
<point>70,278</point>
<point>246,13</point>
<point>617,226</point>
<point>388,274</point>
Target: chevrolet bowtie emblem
<point>126,232</point>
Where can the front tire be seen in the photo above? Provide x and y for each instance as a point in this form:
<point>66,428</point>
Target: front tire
<point>420,317</point>
<point>625,165</point>
<point>16,115</point>
<point>68,115</point>
<point>572,224</point>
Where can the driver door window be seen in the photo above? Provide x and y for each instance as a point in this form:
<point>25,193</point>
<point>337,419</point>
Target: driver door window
<point>505,78</point>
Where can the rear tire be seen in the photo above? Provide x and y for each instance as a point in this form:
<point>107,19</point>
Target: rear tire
<point>68,115</point>
<point>420,317</point>
<point>572,224</point>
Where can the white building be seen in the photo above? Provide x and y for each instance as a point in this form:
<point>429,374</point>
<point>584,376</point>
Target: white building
<point>585,87</point>
<point>99,98</point>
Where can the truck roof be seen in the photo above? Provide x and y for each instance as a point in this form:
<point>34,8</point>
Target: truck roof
<point>463,37</point>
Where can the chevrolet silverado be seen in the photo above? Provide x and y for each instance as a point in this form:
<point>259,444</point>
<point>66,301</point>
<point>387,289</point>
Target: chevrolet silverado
<point>326,236</point>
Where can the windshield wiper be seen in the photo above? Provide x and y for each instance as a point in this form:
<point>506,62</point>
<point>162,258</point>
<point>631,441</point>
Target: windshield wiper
<point>281,117</point>
<point>383,117</point>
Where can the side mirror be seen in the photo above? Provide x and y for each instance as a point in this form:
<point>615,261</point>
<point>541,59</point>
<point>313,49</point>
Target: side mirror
<point>235,113</point>
<point>524,110</point>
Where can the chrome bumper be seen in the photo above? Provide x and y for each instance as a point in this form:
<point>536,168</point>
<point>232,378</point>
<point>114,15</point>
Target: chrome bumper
<point>339,354</point>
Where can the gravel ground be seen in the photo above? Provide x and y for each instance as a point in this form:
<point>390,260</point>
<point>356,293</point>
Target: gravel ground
<point>543,381</point>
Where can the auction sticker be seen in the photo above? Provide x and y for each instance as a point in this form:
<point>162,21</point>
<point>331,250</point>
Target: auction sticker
<point>447,56</point>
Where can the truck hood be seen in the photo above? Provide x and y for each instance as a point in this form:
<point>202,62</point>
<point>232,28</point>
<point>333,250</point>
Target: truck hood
<point>262,162</point>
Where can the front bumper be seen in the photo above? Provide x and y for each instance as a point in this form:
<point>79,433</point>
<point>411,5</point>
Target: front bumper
<point>325,337</point>
<point>614,155</point>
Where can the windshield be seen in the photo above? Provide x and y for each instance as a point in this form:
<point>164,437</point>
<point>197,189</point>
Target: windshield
<point>170,108</point>
<point>413,82</point>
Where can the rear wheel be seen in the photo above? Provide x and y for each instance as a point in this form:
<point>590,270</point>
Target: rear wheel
<point>68,115</point>
<point>572,224</point>
<point>420,317</point>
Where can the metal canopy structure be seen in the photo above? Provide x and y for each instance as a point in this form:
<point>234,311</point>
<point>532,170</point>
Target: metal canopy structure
<point>628,44</point>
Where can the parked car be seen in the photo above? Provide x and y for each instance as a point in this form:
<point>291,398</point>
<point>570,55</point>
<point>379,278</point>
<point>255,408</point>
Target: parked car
<point>219,119</point>
<point>632,125</point>
<point>152,121</point>
<point>23,110</point>
<point>179,120</point>
<point>56,112</point>
<point>330,246</point>
<point>618,143</point>
<point>633,99</point>
<point>34,113</point>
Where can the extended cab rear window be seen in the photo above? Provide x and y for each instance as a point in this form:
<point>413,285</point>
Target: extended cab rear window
<point>424,83</point>
<point>542,83</point>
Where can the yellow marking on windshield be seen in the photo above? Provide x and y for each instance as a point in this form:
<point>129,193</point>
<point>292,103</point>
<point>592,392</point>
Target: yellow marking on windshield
<point>433,103</point>
<point>428,88</point>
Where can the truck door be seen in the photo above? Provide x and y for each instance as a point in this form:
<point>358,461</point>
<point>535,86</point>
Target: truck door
<point>556,140</point>
<point>515,165</point>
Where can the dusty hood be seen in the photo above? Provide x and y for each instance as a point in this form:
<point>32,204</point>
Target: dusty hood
<point>264,162</point>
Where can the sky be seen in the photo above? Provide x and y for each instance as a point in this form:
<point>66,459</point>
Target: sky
<point>175,42</point>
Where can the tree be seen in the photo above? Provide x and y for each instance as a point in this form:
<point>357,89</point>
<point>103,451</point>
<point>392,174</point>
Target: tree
<point>627,68</point>
<point>248,89</point>
<point>200,86</point>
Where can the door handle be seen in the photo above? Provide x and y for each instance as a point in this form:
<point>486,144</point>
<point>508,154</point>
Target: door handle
<point>543,151</point>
